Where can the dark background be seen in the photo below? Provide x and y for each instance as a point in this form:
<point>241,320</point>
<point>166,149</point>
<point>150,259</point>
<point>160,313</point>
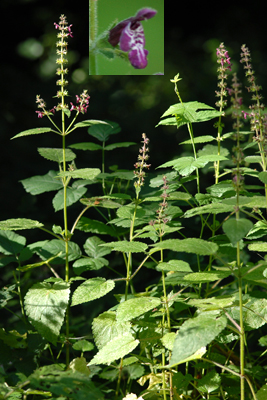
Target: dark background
<point>192,33</point>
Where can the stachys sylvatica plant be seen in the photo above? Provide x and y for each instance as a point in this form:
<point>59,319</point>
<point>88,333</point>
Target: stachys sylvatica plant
<point>157,288</point>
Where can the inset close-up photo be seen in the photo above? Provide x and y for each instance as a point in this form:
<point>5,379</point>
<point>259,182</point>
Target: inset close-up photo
<point>127,39</point>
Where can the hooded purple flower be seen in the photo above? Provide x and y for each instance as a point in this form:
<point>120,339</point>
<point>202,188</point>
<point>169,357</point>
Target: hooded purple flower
<point>130,34</point>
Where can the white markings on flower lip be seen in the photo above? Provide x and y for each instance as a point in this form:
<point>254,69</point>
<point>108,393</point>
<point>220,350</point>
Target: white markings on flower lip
<point>130,35</point>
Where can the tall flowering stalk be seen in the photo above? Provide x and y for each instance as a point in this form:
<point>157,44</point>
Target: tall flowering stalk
<point>258,120</point>
<point>82,103</point>
<point>223,60</point>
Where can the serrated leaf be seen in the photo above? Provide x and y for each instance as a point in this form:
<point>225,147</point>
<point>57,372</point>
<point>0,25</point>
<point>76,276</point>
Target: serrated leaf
<point>79,364</point>
<point>189,112</point>
<point>62,384</point>
<point>115,349</point>
<point>83,173</point>
<point>53,154</point>
<point>209,276</point>
<point>106,327</point>
<point>200,139</point>
<point>236,229</point>
<point>56,246</point>
<point>260,246</point>
<point>210,382</point>
<point>100,202</point>
<point>93,247</point>
<point>34,131</point>
<point>174,265</point>
<point>73,195</point>
<point>213,208</point>
<point>88,264</point>
<point>86,146</point>
<point>42,183</point>
<point>11,243</point>
<point>13,339</point>
<point>254,312</point>
<point>103,132</point>
<point>196,333</point>
<point>125,246</point>
<point>191,245</point>
<point>118,145</point>
<point>263,176</point>
<point>90,122</point>
<point>91,289</point>
<point>45,306</point>
<point>133,308</point>
<point>168,340</point>
<point>83,345</point>
<point>94,226</point>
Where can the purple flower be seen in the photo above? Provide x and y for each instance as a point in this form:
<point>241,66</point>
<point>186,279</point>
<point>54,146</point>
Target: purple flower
<point>130,34</point>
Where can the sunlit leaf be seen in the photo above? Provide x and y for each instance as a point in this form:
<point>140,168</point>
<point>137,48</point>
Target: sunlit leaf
<point>53,154</point>
<point>133,308</point>
<point>196,333</point>
<point>115,349</point>
<point>35,131</point>
<point>91,289</point>
<point>45,306</point>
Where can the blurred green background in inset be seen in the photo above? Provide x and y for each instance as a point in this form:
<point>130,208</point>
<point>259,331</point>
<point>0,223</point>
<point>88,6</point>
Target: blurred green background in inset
<point>109,11</point>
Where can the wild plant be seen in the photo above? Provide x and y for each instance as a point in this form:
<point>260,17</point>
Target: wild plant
<point>167,299</point>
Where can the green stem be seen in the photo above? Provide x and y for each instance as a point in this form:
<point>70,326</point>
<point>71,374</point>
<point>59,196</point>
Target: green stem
<point>92,37</point>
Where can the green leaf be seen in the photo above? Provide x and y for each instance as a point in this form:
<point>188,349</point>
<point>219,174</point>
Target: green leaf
<point>83,173</point>
<point>39,184</point>
<point>91,289</point>
<point>53,154</point>
<point>263,176</point>
<point>73,195</point>
<point>196,333</point>
<point>254,312</point>
<point>115,349</point>
<point>13,339</point>
<point>102,201</point>
<point>191,245</point>
<point>56,246</point>
<point>125,246</point>
<point>93,247</point>
<point>11,243</point>
<point>94,226</point>
<point>208,276</point>
<point>103,132</point>
<point>38,264</point>
<point>90,122</point>
<point>236,229</point>
<point>119,145</point>
<point>45,306</point>
<point>262,393</point>
<point>88,264</point>
<point>133,308</point>
<point>79,364</point>
<point>200,139</point>
<point>189,112</point>
<point>210,382</point>
<point>64,384</point>
<point>86,146</point>
<point>83,345</point>
<point>174,265</point>
<point>35,131</point>
<point>106,327</point>
<point>260,246</point>
<point>213,208</point>
<point>253,159</point>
